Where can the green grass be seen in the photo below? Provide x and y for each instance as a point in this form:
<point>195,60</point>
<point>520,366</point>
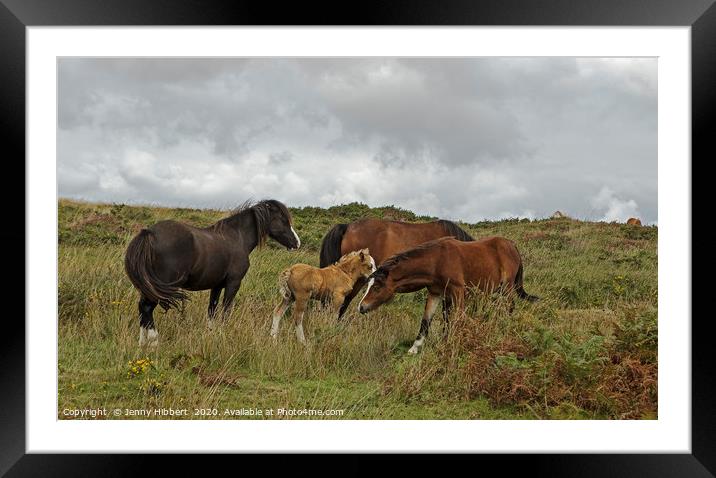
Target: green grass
<point>587,350</point>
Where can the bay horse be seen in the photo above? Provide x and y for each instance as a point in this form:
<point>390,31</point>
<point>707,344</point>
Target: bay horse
<point>170,256</point>
<point>302,282</point>
<point>384,239</point>
<point>634,221</point>
<point>446,267</point>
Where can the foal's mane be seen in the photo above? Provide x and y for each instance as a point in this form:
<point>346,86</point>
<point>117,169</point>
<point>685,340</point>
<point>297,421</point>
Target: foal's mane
<point>262,215</point>
<point>391,262</point>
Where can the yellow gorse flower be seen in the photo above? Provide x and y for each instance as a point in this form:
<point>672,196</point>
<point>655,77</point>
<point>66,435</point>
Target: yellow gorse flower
<point>138,367</point>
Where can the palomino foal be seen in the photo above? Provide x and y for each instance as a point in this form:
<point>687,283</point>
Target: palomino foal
<point>302,282</point>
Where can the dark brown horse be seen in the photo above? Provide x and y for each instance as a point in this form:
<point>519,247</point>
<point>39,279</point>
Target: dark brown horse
<point>383,239</point>
<point>170,256</point>
<point>446,267</point>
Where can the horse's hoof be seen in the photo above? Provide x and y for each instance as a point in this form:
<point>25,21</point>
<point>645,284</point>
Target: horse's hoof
<point>413,350</point>
<point>149,337</point>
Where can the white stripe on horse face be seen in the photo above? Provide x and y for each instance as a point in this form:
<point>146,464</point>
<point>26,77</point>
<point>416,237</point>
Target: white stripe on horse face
<point>372,263</point>
<point>298,239</point>
<point>370,284</point>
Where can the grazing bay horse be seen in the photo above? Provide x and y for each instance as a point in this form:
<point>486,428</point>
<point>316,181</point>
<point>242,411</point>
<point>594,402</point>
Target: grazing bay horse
<point>446,267</point>
<point>302,282</point>
<point>634,221</point>
<point>170,256</point>
<point>384,239</point>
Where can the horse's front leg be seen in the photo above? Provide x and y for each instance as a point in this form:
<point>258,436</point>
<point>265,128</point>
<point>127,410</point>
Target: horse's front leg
<point>430,306</point>
<point>213,303</point>
<point>232,287</point>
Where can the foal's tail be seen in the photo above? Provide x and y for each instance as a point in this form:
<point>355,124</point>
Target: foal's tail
<point>519,286</point>
<point>331,246</point>
<point>139,265</point>
<point>283,287</point>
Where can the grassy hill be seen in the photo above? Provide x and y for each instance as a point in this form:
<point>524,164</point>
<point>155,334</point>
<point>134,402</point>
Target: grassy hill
<point>588,349</point>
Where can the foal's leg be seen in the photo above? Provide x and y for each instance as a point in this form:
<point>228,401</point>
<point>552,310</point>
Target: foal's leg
<point>213,302</point>
<point>278,313</point>
<point>347,301</point>
<point>430,306</point>
<point>298,310</point>
<point>147,333</point>
<point>337,301</point>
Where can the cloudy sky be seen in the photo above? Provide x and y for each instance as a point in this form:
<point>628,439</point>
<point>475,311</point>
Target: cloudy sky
<point>463,138</point>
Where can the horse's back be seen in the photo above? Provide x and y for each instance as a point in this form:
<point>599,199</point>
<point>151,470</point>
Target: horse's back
<point>171,235</point>
<point>366,233</point>
<point>385,238</point>
<point>490,260</point>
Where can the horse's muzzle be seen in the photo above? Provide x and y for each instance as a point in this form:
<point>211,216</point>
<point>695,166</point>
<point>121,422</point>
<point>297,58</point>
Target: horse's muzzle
<point>362,308</point>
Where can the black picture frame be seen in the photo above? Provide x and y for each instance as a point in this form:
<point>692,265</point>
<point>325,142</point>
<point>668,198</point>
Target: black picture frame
<point>16,15</point>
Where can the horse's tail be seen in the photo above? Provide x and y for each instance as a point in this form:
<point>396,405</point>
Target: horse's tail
<point>331,245</point>
<point>519,286</point>
<point>454,230</point>
<point>139,265</point>
<point>283,286</point>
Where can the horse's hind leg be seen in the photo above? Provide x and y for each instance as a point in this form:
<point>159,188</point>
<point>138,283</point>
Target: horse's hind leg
<point>447,309</point>
<point>148,334</point>
<point>278,313</point>
<point>430,306</point>
<point>507,293</point>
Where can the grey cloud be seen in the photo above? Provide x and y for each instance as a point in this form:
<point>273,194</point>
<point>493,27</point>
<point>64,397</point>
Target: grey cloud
<point>280,157</point>
<point>467,138</point>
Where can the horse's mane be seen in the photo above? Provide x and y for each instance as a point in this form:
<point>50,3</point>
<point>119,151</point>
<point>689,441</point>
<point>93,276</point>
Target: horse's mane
<point>261,212</point>
<point>417,251</point>
<point>454,230</point>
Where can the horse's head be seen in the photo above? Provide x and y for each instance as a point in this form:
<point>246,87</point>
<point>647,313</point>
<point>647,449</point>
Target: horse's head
<point>358,263</point>
<point>381,290</point>
<point>279,225</point>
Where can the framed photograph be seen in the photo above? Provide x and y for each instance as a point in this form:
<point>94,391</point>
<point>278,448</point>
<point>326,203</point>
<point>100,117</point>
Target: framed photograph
<point>263,236</point>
